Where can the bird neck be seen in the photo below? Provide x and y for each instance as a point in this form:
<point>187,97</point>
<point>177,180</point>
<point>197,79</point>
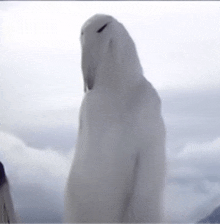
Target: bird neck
<point>118,75</point>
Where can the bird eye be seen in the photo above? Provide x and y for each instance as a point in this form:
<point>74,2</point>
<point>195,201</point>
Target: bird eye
<point>102,28</point>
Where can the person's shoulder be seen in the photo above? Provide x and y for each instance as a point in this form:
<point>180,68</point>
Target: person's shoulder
<point>2,175</point>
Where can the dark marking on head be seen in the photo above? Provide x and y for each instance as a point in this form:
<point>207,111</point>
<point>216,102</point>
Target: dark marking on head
<point>2,175</point>
<point>102,28</point>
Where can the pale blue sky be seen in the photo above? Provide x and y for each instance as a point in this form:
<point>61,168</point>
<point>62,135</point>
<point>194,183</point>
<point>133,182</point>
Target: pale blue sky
<point>41,90</point>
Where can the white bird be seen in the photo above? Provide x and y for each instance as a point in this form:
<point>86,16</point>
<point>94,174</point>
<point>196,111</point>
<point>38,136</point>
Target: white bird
<point>118,170</point>
<point>7,214</point>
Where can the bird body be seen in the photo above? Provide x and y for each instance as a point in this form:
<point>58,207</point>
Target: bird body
<point>118,169</point>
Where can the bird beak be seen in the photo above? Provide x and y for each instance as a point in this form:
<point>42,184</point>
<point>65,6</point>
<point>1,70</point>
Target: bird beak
<point>88,70</point>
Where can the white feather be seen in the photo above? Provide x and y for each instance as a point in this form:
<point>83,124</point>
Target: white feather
<point>118,170</point>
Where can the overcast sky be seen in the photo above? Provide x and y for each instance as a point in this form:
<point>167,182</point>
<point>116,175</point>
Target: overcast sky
<point>41,90</point>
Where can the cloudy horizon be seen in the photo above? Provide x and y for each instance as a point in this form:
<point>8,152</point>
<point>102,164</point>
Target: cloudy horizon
<point>41,91</point>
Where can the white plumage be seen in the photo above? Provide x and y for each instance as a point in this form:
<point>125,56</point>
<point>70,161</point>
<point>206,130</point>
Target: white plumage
<point>118,169</point>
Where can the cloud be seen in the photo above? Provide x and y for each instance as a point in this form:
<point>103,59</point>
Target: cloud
<point>43,128</point>
<point>193,181</point>
<point>37,178</point>
<point>61,138</point>
<point>190,116</point>
<point>203,155</point>
<point>35,204</point>
<point>41,91</point>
